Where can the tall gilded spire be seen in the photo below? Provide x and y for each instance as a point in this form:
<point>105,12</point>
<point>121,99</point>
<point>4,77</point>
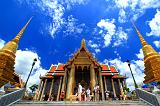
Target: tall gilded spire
<point>140,36</point>
<point>13,44</point>
<point>7,58</point>
<point>151,60</point>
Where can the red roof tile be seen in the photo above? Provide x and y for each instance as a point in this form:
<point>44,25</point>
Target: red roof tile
<point>105,67</point>
<point>113,69</point>
<point>60,67</point>
<point>53,68</point>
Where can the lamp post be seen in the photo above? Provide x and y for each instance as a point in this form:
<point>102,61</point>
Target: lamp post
<point>135,84</point>
<point>34,61</point>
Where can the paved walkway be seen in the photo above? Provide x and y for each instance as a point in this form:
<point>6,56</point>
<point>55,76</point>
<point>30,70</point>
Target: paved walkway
<point>76,103</point>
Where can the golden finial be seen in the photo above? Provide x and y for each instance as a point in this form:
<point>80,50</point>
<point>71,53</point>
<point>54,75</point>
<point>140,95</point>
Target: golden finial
<point>83,43</point>
<point>13,44</point>
<point>16,39</point>
<point>139,34</point>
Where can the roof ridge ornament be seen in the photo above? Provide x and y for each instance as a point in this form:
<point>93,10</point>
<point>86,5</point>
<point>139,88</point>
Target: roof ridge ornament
<point>83,43</point>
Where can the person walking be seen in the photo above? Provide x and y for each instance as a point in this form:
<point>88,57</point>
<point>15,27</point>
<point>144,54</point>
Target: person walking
<point>79,91</point>
<point>88,94</point>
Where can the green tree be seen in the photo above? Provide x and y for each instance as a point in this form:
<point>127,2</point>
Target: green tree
<point>33,87</point>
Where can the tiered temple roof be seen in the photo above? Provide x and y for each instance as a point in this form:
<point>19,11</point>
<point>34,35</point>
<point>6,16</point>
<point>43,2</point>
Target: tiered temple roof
<point>106,70</point>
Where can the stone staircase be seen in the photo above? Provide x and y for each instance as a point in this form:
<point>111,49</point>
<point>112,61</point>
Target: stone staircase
<point>76,103</point>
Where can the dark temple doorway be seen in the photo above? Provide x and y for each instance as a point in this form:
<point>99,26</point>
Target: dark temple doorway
<point>82,76</point>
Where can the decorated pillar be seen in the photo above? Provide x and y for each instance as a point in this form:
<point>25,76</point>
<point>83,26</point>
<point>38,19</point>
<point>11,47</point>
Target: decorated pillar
<point>105,85</point>
<point>44,87</point>
<point>71,82</point>
<point>114,91</point>
<point>50,92</point>
<point>64,80</point>
<point>101,83</point>
<point>120,86</point>
<point>59,89</point>
<point>40,89</point>
<point>92,77</point>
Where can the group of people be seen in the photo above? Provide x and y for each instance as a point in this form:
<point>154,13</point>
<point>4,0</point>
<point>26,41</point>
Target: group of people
<point>83,94</point>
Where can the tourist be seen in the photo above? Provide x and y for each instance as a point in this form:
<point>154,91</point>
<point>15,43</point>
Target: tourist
<point>79,91</point>
<point>83,95</point>
<point>94,92</point>
<point>98,92</point>
<point>107,95</point>
<point>88,92</point>
<point>62,95</point>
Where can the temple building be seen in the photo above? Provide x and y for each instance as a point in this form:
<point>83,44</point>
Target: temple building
<point>84,69</point>
<point>7,59</point>
<point>151,60</point>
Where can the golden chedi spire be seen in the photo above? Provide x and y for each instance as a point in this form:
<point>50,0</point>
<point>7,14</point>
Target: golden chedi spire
<point>151,60</point>
<point>7,58</point>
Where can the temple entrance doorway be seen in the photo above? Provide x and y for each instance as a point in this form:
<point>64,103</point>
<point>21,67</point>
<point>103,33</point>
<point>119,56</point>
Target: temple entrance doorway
<point>82,76</point>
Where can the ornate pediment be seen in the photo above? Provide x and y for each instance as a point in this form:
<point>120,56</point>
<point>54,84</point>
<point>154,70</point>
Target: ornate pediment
<point>82,57</point>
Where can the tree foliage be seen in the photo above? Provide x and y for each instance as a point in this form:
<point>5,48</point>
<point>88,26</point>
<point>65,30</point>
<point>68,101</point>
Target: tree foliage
<point>33,87</point>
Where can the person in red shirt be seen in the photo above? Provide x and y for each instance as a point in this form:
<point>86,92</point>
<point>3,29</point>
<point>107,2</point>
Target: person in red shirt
<point>62,96</point>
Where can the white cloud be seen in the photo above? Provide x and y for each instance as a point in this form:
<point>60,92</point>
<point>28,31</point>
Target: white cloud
<point>110,33</point>
<point>157,44</point>
<point>2,42</point>
<point>122,16</point>
<point>55,9</point>
<point>137,67</point>
<point>155,25</point>
<point>95,46</point>
<point>120,37</point>
<point>23,64</point>
<point>72,27</point>
<point>109,27</point>
<point>122,3</point>
<point>133,9</point>
<point>97,50</point>
<point>140,54</point>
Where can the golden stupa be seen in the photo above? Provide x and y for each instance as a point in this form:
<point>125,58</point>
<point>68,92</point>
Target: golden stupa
<point>151,60</point>
<point>7,58</point>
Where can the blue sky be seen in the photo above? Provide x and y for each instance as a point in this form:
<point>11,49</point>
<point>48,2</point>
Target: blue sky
<point>58,26</point>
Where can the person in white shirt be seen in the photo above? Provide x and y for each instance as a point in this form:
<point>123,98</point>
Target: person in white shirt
<point>79,91</point>
<point>88,94</point>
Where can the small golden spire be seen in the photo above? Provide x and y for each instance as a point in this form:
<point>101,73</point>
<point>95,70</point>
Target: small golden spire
<point>140,36</point>
<point>83,43</point>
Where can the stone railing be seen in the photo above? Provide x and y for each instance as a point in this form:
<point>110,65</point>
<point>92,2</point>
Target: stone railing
<point>150,98</point>
<point>11,98</point>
